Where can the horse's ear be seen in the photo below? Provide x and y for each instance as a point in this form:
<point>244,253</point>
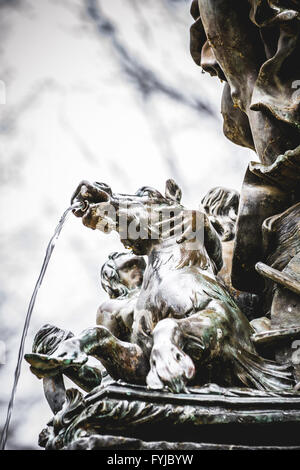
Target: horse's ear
<point>173,191</point>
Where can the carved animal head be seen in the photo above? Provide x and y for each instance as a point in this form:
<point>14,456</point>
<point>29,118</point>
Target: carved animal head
<point>134,216</point>
<point>147,218</point>
<point>121,273</point>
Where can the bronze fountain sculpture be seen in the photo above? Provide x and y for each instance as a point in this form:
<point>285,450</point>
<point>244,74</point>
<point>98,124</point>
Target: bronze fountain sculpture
<point>170,332</point>
<point>204,335</point>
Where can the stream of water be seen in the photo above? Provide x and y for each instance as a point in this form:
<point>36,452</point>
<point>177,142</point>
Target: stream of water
<point>49,251</point>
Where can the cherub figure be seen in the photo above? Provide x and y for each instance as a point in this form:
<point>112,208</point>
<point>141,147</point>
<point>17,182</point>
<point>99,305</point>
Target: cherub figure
<point>121,277</point>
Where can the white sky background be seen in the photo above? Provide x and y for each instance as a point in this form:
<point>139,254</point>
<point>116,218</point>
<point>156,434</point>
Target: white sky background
<point>102,90</point>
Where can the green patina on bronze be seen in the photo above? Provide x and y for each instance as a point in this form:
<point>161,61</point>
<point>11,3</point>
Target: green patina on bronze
<point>183,320</point>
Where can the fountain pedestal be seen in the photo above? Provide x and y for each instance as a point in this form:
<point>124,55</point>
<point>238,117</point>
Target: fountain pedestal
<point>121,416</point>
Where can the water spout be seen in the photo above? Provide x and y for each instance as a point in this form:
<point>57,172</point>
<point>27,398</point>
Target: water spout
<point>50,248</point>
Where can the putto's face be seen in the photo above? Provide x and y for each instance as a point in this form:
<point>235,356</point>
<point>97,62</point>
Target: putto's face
<point>131,270</point>
<point>122,273</point>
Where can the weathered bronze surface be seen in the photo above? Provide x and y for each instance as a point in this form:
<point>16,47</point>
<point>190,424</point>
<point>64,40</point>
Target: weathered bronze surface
<point>205,309</point>
<point>123,416</point>
<point>253,46</point>
<point>175,339</point>
<point>222,206</point>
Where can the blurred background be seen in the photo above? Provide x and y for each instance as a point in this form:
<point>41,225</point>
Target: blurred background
<point>102,90</point>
